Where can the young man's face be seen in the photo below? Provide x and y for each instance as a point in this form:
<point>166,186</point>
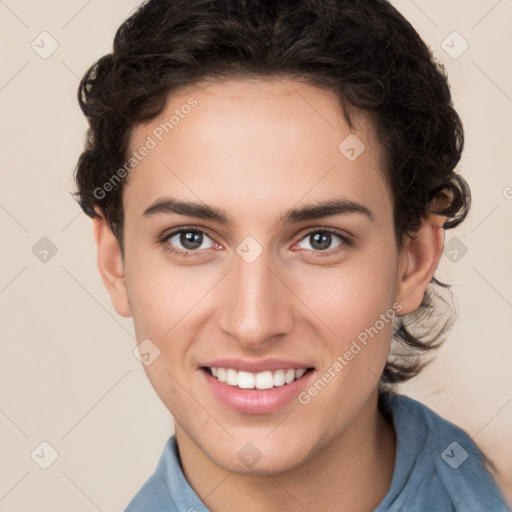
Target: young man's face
<point>258,293</point>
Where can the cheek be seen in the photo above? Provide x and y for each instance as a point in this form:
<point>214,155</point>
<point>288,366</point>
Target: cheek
<point>162,301</point>
<point>353,296</point>
<point>161,295</point>
<point>357,308</point>
<point>154,308</point>
<point>354,308</point>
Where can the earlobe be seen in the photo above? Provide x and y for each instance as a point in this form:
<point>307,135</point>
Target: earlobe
<point>111,266</point>
<point>418,262</point>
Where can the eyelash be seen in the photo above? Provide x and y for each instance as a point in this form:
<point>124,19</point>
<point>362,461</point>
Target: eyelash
<point>345,239</point>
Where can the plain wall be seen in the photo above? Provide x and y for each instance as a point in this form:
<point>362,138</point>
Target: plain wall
<point>68,374</point>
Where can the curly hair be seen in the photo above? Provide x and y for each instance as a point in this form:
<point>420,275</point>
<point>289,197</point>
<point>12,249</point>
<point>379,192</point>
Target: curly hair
<point>362,50</point>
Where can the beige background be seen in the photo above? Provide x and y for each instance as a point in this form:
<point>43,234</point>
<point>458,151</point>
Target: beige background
<point>68,375</point>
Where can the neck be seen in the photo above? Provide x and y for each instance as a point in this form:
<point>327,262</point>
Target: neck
<point>353,473</point>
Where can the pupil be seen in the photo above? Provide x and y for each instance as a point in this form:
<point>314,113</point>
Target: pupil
<point>321,241</point>
<point>191,240</point>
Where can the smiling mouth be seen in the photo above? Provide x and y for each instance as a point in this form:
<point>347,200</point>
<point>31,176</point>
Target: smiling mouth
<point>262,380</point>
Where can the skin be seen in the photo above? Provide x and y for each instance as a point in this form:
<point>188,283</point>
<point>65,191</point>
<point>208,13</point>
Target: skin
<point>255,149</point>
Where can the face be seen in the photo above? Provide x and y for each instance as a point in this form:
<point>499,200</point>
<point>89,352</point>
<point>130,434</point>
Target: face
<point>259,248</point>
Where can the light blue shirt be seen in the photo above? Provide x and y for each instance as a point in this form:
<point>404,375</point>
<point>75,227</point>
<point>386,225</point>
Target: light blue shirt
<point>438,468</point>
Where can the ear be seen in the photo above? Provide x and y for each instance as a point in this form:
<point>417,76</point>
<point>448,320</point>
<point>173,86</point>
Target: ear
<point>111,265</point>
<point>418,261</point>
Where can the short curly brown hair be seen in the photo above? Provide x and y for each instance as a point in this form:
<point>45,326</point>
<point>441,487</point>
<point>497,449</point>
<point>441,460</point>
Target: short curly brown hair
<point>362,50</point>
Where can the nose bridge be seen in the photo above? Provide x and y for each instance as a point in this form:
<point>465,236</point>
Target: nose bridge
<point>257,305</point>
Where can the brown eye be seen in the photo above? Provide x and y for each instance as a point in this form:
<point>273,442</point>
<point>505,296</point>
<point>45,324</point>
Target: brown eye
<point>188,240</point>
<point>322,240</point>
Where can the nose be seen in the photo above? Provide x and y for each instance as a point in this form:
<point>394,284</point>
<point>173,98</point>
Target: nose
<point>257,305</point>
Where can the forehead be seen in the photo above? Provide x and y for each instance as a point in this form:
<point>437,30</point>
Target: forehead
<point>259,141</point>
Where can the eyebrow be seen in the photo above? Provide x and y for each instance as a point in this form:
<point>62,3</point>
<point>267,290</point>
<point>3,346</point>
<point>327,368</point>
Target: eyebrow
<point>318,210</point>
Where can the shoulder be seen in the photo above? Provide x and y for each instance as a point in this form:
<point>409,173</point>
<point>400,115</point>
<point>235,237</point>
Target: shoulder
<point>167,489</point>
<point>440,457</point>
<point>154,494</point>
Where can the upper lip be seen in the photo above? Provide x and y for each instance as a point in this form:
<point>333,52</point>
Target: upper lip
<point>258,366</point>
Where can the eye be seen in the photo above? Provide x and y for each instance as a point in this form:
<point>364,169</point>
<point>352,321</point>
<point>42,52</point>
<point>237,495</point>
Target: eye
<point>185,241</point>
<point>322,239</point>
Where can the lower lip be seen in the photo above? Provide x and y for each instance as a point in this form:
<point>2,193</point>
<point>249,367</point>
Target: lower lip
<point>256,401</point>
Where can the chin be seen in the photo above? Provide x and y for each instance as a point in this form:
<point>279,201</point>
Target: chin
<point>258,455</point>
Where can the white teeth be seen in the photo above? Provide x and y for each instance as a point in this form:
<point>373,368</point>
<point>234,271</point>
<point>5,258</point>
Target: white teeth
<point>289,376</point>
<point>262,380</point>
<point>221,374</point>
<point>299,373</point>
<point>279,378</point>
<point>245,380</point>
<point>231,377</point>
